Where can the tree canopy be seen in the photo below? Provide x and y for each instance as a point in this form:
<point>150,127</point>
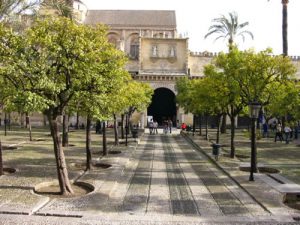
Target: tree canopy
<point>52,62</point>
<point>229,28</point>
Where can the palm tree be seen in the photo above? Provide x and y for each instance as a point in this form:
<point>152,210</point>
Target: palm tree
<point>284,27</point>
<point>60,7</point>
<point>15,7</point>
<point>228,28</point>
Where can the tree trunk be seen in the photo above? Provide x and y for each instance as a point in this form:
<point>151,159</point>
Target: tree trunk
<point>200,125</point>
<point>218,128</point>
<point>223,128</point>
<point>88,143</point>
<point>5,124</point>
<point>116,130</point>
<point>232,145</point>
<point>9,124</point>
<point>45,120</point>
<point>126,130</point>
<point>1,160</point>
<point>27,120</point>
<point>284,27</point>
<point>194,124</point>
<point>77,121</point>
<point>65,135</point>
<point>104,144</point>
<point>206,127</point>
<point>28,125</point>
<point>21,120</point>
<point>122,126</point>
<point>61,166</point>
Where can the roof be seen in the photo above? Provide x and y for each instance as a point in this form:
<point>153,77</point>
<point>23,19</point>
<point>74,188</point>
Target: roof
<point>132,18</point>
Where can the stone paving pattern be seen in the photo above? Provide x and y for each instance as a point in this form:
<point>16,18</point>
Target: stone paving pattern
<point>164,179</point>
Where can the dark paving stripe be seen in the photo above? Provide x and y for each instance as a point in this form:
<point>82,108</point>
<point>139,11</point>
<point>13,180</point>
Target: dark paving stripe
<point>182,201</point>
<point>228,203</point>
<point>136,198</point>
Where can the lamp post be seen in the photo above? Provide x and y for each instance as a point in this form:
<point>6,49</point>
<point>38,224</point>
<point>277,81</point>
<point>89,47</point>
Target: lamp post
<point>254,108</point>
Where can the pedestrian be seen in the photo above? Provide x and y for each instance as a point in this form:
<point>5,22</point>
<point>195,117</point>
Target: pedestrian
<point>151,126</point>
<point>188,128</point>
<point>296,131</point>
<point>273,126</point>
<point>155,125</point>
<point>170,124</point>
<point>98,127</point>
<point>183,126</point>
<point>278,132</point>
<point>291,133</point>
<point>287,131</point>
<point>166,126</point>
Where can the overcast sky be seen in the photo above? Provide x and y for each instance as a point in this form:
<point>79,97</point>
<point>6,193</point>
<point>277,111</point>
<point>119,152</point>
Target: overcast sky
<point>194,18</point>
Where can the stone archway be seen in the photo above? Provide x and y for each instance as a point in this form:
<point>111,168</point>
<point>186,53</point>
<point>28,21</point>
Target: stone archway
<point>163,105</point>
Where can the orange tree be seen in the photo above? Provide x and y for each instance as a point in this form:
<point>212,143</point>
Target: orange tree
<point>52,62</point>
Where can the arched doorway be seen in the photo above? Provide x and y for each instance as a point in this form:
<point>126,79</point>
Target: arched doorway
<point>163,106</point>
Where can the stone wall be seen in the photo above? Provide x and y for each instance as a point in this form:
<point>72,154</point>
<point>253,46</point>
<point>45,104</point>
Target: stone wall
<point>163,55</point>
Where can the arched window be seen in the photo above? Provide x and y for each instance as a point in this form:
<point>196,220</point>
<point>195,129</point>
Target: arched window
<point>113,41</point>
<point>134,48</point>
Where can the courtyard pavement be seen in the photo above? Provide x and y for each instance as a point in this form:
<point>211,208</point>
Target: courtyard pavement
<point>157,179</point>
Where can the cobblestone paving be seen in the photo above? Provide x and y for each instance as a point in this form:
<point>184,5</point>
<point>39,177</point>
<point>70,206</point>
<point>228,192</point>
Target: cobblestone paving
<point>136,198</point>
<point>226,200</point>
<point>180,195</point>
<point>164,180</point>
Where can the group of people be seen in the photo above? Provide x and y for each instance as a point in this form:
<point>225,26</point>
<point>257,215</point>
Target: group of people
<point>167,126</point>
<point>285,133</point>
<point>153,125</point>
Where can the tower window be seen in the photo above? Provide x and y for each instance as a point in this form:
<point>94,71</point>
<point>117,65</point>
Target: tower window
<point>134,48</point>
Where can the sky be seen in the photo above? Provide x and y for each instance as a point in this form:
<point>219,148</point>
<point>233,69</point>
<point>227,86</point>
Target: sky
<point>194,17</point>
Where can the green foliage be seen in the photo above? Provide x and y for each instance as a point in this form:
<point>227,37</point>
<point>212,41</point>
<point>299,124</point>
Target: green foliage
<point>59,8</point>
<point>138,95</point>
<point>228,28</point>
<point>255,75</point>
<point>15,7</point>
<point>285,101</point>
<point>200,96</point>
<point>183,97</point>
<point>56,60</point>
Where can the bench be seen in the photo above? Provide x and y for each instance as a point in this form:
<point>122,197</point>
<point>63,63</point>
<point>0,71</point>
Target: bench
<point>289,190</point>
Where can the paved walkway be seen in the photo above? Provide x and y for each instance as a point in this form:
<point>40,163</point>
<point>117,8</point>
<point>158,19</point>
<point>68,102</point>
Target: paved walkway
<point>163,180</point>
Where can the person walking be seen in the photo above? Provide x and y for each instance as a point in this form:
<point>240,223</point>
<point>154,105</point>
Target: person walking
<point>170,124</point>
<point>278,132</point>
<point>151,126</point>
<point>165,126</point>
<point>155,125</point>
<point>183,126</point>
<point>287,131</point>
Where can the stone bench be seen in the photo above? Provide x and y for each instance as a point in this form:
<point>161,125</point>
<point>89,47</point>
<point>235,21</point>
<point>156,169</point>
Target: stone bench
<point>289,190</point>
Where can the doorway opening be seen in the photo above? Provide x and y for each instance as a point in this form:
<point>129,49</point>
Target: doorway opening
<point>163,106</point>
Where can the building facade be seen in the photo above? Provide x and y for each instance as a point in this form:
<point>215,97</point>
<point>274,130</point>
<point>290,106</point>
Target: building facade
<point>157,54</point>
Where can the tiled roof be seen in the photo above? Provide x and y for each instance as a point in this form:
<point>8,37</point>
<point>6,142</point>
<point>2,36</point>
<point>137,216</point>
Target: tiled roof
<point>132,18</point>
